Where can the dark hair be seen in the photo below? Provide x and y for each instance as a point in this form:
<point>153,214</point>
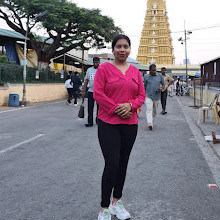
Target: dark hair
<point>118,37</point>
<point>152,65</point>
<point>67,77</point>
<point>163,68</point>
<point>96,59</point>
<point>76,73</point>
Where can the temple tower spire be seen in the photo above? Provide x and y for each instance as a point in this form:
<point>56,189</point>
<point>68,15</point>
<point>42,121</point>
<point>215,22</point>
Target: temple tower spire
<point>156,42</point>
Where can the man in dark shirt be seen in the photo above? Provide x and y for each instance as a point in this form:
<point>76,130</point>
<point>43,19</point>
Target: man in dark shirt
<point>76,82</point>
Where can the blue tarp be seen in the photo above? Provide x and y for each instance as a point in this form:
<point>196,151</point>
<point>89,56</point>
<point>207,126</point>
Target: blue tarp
<point>197,75</point>
<point>11,53</point>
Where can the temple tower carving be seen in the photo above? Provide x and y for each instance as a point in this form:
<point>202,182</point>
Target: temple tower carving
<point>156,42</point>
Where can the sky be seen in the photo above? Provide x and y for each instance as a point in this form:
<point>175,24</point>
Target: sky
<point>202,45</point>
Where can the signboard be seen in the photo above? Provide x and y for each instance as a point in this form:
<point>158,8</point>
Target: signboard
<point>184,61</point>
<point>24,62</point>
<point>62,74</point>
<point>37,74</point>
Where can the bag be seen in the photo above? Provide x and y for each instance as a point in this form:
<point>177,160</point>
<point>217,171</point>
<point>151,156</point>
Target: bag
<point>81,110</point>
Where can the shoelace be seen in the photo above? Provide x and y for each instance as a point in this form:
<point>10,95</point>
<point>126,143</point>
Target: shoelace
<point>120,205</point>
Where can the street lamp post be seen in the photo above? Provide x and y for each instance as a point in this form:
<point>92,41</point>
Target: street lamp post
<point>184,41</point>
<point>24,101</point>
<point>37,18</point>
<point>186,57</point>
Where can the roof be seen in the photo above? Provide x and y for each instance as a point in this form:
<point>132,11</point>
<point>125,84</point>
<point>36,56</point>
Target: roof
<point>140,67</point>
<point>69,57</point>
<point>210,60</point>
<point>16,35</point>
<point>110,56</point>
<point>12,34</point>
<point>130,60</point>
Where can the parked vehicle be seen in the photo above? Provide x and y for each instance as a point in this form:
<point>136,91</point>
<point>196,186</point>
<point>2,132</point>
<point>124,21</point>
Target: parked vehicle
<point>184,90</point>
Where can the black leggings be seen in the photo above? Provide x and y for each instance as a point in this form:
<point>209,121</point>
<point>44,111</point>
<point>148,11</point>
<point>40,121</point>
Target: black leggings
<point>70,94</point>
<point>116,143</point>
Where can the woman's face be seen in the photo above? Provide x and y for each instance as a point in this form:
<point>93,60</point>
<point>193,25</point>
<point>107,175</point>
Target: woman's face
<point>121,50</point>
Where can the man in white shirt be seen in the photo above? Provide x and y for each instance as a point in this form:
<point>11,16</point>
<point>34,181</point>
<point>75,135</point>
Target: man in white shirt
<point>89,81</point>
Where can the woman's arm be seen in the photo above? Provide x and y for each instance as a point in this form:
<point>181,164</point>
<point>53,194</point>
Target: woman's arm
<point>99,92</point>
<point>140,98</point>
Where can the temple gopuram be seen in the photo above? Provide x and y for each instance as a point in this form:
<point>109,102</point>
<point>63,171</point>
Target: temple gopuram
<point>156,42</point>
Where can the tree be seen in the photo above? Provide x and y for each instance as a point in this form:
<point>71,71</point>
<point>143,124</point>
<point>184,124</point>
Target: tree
<point>3,59</point>
<point>67,25</point>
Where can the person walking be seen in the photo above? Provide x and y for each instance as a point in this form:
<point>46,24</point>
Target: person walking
<point>152,82</point>
<point>69,88</point>
<point>89,81</point>
<point>119,91</point>
<point>140,109</point>
<point>167,82</point>
<point>170,90</point>
<point>178,87</point>
<point>76,82</point>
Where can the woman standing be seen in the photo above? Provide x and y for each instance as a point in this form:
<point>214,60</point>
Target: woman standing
<point>119,91</point>
<point>69,88</point>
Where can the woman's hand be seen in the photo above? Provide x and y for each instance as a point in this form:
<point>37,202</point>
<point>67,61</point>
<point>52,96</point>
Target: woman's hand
<point>124,110</point>
<point>128,115</point>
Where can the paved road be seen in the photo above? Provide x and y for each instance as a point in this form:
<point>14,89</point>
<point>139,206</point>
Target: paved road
<point>51,167</point>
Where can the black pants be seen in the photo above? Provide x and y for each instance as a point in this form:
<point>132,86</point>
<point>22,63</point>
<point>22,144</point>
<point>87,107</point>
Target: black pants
<point>164,99</point>
<point>116,143</point>
<point>91,102</point>
<point>70,94</point>
<point>178,90</point>
<point>75,95</point>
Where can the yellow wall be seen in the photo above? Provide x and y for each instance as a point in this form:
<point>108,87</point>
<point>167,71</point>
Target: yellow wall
<point>34,93</point>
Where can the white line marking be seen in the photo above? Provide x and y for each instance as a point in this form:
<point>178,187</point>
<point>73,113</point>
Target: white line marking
<point>11,110</point>
<point>18,145</point>
<point>23,108</point>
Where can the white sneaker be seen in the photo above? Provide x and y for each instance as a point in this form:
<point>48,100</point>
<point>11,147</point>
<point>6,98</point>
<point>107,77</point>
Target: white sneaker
<point>119,210</point>
<point>104,214</point>
<point>75,105</point>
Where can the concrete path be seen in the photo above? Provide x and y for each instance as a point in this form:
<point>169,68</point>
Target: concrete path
<point>51,166</point>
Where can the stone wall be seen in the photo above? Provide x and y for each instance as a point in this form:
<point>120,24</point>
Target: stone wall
<point>34,92</point>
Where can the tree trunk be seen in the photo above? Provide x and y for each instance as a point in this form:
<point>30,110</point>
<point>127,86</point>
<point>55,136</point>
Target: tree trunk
<point>42,65</point>
<point>43,62</point>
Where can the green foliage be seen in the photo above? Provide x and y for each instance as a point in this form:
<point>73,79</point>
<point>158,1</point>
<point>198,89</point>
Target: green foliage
<point>68,25</point>
<point>3,59</point>
<point>11,73</point>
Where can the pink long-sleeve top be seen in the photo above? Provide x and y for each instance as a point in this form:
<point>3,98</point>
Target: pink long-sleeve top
<point>112,87</point>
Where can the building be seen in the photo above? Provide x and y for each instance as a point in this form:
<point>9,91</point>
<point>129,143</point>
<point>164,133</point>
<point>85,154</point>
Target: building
<point>12,45</point>
<point>173,70</point>
<point>108,57</point>
<point>156,42</point>
<point>180,70</point>
<point>210,72</point>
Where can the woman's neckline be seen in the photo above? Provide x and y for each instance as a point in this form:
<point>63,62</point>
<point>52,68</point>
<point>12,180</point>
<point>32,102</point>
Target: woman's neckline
<point>117,66</point>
